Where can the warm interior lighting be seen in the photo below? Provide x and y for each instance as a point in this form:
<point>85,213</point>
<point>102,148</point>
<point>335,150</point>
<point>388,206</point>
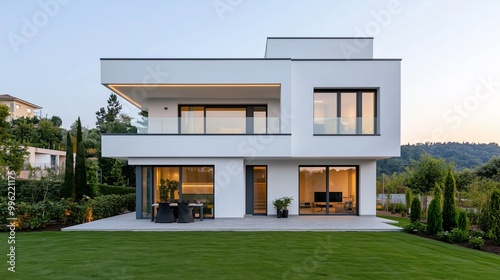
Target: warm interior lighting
<point>318,101</point>
<point>197,85</point>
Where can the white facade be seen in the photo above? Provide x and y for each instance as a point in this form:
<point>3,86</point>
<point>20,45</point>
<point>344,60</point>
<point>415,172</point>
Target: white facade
<point>287,83</point>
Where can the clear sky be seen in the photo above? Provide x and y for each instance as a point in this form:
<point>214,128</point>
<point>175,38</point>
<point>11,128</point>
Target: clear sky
<point>50,50</point>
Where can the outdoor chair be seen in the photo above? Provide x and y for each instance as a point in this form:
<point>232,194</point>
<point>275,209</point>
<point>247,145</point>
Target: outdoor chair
<point>185,213</point>
<point>165,214</point>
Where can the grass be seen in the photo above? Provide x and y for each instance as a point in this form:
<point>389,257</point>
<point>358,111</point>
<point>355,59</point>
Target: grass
<point>402,222</point>
<point>243,255</point>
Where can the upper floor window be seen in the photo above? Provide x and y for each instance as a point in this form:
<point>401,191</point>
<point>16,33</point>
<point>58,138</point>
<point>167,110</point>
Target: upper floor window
<point>348,112</point>
<point>223,119</point>
<point>29,110</point>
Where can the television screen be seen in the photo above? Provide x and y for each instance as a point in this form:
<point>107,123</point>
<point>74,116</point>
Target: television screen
<point>333,196</point>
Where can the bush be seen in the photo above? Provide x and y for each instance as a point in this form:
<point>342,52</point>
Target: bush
<point>107,190</point>
<point>434,217</point>
<point>473,216</point>
<point>416,210</point>
<point>449,208</point>
<point>463,221</point>
<point>444,236</point>
<point>415,228</point>
<point>408,196</point>
<point>397,208</point>
<point>111,205</point>
<point>494,216</point>
<point>34,190</point>
<point>459,236</point>
<point>476,243</point>
<point>477,233</point>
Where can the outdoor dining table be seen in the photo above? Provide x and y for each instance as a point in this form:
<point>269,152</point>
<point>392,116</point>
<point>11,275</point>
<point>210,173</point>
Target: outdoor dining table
<point>175,204</point>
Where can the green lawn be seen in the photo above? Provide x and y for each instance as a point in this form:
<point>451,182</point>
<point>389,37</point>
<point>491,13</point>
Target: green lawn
<point>243,255</point>
<point>401,221</point>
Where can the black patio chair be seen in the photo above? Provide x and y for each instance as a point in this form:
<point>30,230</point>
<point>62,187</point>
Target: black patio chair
<point>165,213</point>
<point>185,213</point>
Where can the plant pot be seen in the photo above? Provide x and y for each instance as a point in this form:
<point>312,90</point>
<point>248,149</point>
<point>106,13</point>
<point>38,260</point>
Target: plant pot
<point>284,214</point>
<point>279,213</point>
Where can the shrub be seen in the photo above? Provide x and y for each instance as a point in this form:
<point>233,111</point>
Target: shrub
<point>416,210</point>
<point>415,228</point>
<point>449,207</point>
<point>473,216</point>
<point>111,205</point>
<point>397,208</point>
<point>434,217</point>
<point>463,221</point>
<point>476,243</point>
<point>107,189</point>
<point>477,233</point>
<point>408,195</point>
<point>444,236</point>
<point>494,216</point>
<point>459,236</point>
<point>34,190</point>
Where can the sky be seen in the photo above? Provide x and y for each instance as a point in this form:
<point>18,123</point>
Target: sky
<point>450,71</point>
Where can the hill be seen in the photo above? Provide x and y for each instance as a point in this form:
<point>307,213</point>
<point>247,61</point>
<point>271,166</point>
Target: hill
<point>464,155</point>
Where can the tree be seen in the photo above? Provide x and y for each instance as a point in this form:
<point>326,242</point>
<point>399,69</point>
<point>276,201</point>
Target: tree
<point>110,120</point>
<point>416,210</point>
<point>81,186</point>
<point>449,204</point>
<point>408,198</point>
<point>490,170</point>
<point>117,173</point>
<point>463,221</point>
<point>434,214</point>
<point>424,174</point>
<point>12,153</point>
<point>494,216</point>
<point>69,172</point>
<point>108,115</point>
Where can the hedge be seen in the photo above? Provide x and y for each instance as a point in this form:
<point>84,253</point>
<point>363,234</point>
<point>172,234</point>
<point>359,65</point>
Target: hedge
<point>33,190</point>
<point>40,214</point>
<point>107,189</point>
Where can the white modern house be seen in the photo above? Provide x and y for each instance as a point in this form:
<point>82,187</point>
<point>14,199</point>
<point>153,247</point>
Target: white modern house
<point>309,120</point>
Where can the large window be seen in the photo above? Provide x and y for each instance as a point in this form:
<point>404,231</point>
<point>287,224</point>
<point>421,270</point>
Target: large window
<point>194,184</point>
<point>223,119</point>
<point>345,112</point>
<point>328,190</point>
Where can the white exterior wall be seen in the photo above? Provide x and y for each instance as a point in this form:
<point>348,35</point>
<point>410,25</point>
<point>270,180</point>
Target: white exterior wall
<point>283,180</point>
<point>384,75</point>
<point>320,48</point>
<point>229,189</point>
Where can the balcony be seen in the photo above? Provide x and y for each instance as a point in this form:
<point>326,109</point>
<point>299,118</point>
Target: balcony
<point>209,126</point>
<point>200,137</point>
<point>346,126</point>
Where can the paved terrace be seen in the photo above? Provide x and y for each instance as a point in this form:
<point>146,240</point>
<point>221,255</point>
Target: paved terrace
<point>127,222</point>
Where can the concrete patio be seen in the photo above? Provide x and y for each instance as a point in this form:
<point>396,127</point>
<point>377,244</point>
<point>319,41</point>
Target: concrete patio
<point>127,222</point>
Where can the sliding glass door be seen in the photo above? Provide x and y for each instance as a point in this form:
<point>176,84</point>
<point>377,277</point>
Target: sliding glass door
<point>194,184</point>
<point>328,190</point>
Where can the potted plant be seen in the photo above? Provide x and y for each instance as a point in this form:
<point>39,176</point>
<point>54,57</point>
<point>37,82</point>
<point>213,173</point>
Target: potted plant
<point>286,201</point>
<point>278,205</point>
<point>172,186</point>
<point>167,189</point>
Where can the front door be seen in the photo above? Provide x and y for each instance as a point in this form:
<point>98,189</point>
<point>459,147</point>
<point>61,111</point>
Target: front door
<point>256,190</point>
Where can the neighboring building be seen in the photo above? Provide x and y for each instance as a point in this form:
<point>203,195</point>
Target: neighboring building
<point>18,107</point>
<point>309,121</point>
<point>42,159</point>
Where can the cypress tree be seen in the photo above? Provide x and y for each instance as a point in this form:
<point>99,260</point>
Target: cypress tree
<point>81,187</point>
<point>416,210</point>
<point>494,216</point>
<point>434,214</point>
<point>69,172</point>
<point>449,207</point>
<point>408,198</point>
<point>463,221</point>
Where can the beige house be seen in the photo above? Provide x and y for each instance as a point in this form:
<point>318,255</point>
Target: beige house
<point>18,107</point>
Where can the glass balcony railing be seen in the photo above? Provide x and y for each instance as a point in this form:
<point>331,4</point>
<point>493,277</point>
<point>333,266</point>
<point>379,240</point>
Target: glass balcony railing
<point>349,126</point>
<point>208,125</point>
